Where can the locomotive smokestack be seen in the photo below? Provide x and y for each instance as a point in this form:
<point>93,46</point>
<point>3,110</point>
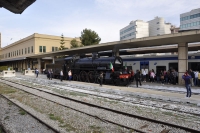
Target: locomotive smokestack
<point>95,55</point>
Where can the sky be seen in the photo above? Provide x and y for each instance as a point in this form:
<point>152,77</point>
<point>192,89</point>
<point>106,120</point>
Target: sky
<point>70,17</point>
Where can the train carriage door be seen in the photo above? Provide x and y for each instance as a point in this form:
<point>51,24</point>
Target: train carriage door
<point>144,65</point>
<point>160,68</point>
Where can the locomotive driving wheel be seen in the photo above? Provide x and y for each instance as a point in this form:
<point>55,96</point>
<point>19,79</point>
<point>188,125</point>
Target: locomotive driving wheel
<point>83,76</point>
<point>91,77</point>
<point>75,77</point>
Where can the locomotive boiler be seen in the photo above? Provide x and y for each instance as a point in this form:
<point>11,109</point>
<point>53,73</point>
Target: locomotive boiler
<point>87,69</point>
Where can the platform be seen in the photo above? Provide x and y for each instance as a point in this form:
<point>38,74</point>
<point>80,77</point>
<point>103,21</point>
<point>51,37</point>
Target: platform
<point>150,90</point>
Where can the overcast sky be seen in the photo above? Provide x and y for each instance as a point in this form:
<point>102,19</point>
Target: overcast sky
<point>70,17</point>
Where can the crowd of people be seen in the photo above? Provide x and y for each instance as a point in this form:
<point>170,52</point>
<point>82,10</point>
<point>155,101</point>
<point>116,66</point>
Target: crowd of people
<point>165,77</point>
<point>191,78</point>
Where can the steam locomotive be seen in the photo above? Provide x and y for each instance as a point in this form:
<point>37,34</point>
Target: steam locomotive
<point>87,69</point>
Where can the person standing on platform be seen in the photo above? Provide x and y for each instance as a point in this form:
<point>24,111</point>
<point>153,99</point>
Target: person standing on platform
<point>132,75</point>
<point>61,75</point>
<point>138,78</point>
<point>43,71</point>
<point>196,78</point>
<point>187,78</point>
<point>162,77</point>
<point>152,76</point>
<point>70,75</point>
<point>36,72</point>
<point>144,75</point>
<point>101,78</point>
<point>50,74</point>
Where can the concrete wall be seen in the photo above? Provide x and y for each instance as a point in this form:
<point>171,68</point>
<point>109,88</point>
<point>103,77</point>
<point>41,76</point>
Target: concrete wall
<point>142,29</point>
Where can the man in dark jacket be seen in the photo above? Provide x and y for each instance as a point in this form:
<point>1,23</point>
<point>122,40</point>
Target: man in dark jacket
<point>138,78</point>
<point>187,78</point>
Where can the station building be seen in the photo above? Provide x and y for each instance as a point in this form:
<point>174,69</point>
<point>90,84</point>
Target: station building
<point>190,20</point>
<point>140,29</point>
<point>16,54</point>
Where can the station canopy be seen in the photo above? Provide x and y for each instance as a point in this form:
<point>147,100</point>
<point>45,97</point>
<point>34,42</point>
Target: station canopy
<point>16,6</point>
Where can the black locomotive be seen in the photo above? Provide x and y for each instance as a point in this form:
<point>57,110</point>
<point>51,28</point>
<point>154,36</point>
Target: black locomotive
<point>88,69</point>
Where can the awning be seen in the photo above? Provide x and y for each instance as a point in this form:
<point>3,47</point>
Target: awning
<point>15,59</point>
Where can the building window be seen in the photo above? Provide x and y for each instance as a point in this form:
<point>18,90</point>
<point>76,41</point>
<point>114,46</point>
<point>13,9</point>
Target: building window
<point>22,52</point>
<point>158,28</point>
<point>28,49</point>
<point>158,34</point>
<point>9,55</point>
<point>31,49</point>
<point>19,52</point>
<point>15,53</point>
<point>52,49</point>
<point>44,49</point>
<point>157,22</point>
<point>56,48</point>
<point>40,49</point>
<point>25,50</point>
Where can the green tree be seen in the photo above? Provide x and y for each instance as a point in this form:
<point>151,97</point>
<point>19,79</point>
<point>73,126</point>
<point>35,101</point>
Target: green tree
<point>89,37</point>
<point>74,43</point>
<point>62,42</point>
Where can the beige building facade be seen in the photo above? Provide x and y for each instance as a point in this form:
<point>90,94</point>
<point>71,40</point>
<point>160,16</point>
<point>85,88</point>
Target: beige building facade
<point>16,54</point>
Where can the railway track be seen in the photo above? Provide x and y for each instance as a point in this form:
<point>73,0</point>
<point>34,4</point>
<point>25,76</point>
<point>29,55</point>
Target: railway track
<point>35,117</point>
<point>103,108</point>
<point>122,99</point>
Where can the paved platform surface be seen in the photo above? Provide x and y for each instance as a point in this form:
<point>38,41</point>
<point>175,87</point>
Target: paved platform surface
<point>149,90</point>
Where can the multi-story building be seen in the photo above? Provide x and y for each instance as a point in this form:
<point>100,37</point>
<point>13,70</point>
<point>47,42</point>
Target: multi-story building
<point>30,46</point>
<point>136,29</point>
<point>158,27</point>
<point>190,20</point>
<point>139,29</point>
